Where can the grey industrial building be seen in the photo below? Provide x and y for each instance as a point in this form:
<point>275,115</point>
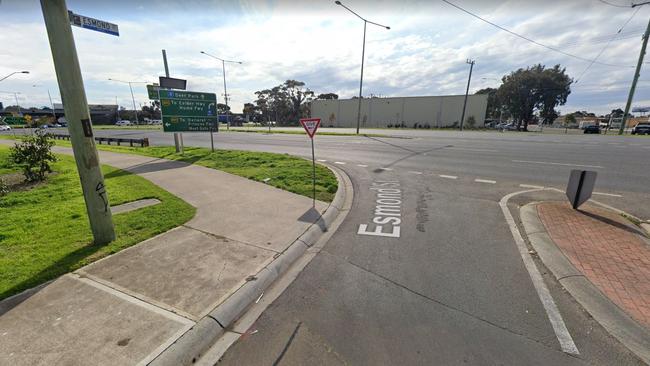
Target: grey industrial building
<point>425,112</point>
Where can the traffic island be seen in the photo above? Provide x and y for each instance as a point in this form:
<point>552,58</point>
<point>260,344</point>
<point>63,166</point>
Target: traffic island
<point>602,260</point>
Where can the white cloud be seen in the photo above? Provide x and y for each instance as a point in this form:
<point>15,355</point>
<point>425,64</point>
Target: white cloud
<point>320,43</point>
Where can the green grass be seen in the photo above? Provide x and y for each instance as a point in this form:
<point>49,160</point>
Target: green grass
<point>287,172</point>
<point>45,231</point>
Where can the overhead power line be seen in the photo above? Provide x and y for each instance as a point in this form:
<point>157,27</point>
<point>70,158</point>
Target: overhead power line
<point>615,5</point>
<point>528,39</point>
<point>607,45</point>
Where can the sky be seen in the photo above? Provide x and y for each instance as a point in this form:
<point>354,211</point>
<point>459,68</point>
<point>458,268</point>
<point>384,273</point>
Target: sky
<point>320,43</point>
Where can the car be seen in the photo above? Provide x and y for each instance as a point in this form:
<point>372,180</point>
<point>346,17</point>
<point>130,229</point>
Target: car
<point>641,129</point>
<point>5,128</point>
<point>123,122</point>
<point>592,129</point>
<point>44,126</point>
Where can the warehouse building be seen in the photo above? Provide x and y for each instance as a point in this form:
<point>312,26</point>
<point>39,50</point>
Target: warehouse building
<point>418,112</point>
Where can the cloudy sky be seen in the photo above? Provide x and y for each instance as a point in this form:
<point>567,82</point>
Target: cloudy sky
<point>318,42</point>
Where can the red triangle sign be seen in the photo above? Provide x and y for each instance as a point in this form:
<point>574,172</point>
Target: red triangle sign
<point>310,125</point>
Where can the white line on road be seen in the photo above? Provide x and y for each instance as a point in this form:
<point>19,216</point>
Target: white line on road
<point>362,165</point>
<point>485,181</point>
<point>553,313</point>
<point>530,186</point>
<point>607,194</point>
<point>339,162</point>
<point>414,172</point>
<point>387,169</point>
<point>469,149</point>
<point>321,160</point>
<point>447,176</point>
<point>563,164</point>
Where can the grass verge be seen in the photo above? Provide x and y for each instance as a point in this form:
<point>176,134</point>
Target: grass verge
<point>45,231</point>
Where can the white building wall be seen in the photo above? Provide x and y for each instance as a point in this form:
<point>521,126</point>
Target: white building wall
<point>435,111</point>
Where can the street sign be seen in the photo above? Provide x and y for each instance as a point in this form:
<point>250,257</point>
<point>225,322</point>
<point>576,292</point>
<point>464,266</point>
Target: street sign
<point>581,184</point>
<point>11,120</point>
<point>152,90</point>
<point>172,83</point>
<point>93,24</point>
<point>310,125</point>
<point>188,111</point>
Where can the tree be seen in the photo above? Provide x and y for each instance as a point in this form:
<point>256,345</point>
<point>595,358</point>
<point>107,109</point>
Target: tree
<point>533,89</point>
<point>327,96</point>
<point>493,104</point>
<point>284,103</point>
<point>251,111</point>
<point>222,108</point>
<point>34,155</point>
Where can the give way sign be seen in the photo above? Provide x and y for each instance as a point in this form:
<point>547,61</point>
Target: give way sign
<point>310,125</point>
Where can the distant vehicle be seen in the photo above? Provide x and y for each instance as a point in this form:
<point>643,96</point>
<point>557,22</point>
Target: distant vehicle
<point>592,129</point>
<point>506,127</point>
<point>5,128</point>
<point>156,122</point>
<point>123,122</point>
<point>57,125</point>
<point>44,126</point>
<point>641,129</point>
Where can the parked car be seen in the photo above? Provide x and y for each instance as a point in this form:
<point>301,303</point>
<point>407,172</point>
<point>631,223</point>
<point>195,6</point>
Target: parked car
<point>123,122</point>
<point>592,129</point>
<point>44,126</point>
<point>506,127</point>
<point>5,128</point>
<point>641,129</point>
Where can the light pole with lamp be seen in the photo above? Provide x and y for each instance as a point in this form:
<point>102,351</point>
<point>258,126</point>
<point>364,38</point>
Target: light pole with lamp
<point>50,97</point>
<point>225,90</point>
<point>137,122</point>
<point>15,72</point>
<point>363,54</point>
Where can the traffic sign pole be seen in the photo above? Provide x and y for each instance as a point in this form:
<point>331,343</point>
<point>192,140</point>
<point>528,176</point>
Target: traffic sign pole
<point>68,73</point>
<point>177,143</point>
<point>311,126</point>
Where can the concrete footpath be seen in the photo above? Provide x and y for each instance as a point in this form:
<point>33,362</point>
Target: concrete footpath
<point>167,299</point>
<point>602,259</point>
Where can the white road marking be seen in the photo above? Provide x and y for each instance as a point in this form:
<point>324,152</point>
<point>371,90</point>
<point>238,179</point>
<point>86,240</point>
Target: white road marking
<point>339,162</point>
<point>414,172</point>
<point>553,313</point>
<point>563,164</point>
<point>447,176</point>
<point>607,194</point>
<point>362,165</point>
<point>387,169</point>
<point>485,181</point>
<point>469,149</point>
<point>321,160</point>
<point>530,186</point>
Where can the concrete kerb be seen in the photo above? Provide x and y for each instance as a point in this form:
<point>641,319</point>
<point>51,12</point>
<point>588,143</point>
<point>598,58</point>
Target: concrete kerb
<point>620,325</point>
<point>196,341</point>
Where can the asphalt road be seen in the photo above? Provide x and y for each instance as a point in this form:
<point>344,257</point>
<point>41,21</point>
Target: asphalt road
<point>449,287</point>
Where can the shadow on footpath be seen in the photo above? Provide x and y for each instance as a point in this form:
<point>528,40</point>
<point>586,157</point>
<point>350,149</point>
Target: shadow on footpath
<point>311,216</point>
<point>610,222</point>
<point>153,166</point>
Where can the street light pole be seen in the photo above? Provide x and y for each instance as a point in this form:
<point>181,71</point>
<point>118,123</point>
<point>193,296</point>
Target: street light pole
<point>471,66</point>
<point>15,72</point>
<point>225,89</point>
<point>137,122</point>
<point>363,55</point>
<point>49,96</point>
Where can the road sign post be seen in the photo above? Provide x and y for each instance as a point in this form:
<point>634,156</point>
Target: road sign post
<point>68,74</point>
<point>311,126</point>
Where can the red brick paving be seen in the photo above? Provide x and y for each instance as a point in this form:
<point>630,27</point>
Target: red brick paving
<point>614,259</point>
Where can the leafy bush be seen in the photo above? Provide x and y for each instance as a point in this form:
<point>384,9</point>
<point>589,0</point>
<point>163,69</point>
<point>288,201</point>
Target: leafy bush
<point>34,155</point>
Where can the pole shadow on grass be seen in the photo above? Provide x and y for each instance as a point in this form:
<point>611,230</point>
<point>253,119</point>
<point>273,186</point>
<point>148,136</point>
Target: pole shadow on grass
<point>153,166</point>
<point>63,265</point>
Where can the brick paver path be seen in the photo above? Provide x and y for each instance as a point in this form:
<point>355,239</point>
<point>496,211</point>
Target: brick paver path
<point>608,253</point>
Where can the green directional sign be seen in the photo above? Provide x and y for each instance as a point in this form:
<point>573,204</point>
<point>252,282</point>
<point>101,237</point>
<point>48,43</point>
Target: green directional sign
<point>184,111</point>
<point>10,120</point>
<point>152,90</point>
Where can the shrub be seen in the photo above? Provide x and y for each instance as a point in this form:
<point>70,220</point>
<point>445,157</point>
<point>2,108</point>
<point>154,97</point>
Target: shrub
<point>34,155</point>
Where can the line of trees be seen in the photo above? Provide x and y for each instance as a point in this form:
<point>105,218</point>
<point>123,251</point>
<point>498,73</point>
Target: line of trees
<point>529,94</point>
<point>285,103</point>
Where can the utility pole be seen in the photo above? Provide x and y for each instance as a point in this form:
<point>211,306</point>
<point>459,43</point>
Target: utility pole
<point>637,73</point>
<point>177,138</point>
<point>471,66</point>
<point>68,73</point>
